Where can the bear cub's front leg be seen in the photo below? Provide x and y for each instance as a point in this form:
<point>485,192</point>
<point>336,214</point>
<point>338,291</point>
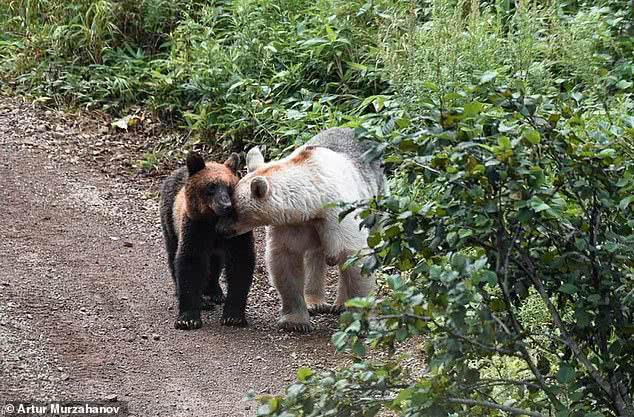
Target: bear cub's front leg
<point>191,269</point>
<point>239,267</point>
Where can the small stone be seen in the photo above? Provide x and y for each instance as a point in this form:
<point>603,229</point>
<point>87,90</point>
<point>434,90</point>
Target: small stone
<point>144,336</point>
<point>64,377</point>
<point>128,244</point>
<point>111,397</point>
<point>156,336</point>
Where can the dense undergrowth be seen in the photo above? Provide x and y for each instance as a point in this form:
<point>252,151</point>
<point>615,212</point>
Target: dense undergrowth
<point>508,134</point>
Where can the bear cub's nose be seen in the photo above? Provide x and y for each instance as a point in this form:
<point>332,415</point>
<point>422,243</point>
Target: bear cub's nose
<point>223,206</point>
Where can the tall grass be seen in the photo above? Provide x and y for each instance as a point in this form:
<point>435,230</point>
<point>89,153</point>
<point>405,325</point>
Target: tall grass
<point>536,49</point>
<point>259,71</point>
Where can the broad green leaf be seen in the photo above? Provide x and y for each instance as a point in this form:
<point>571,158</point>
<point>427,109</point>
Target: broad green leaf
<point>607,153</point>
<point>472,109</point>
<point>566,373</point>
<point>358,348</point>
<point>359,303</point>
<point>374,239</point>
<point>304,373</point>
<point>313,42</point>
<point>293,114</point>
<point>623,85</point>
<point>488,76</point>
<point>569,289</point>
<point>625,202</point>
<point>403,395</point>
<point>339,340</point>
<point>538,205</point>
<point>332,36</point>
<point>532,136</point>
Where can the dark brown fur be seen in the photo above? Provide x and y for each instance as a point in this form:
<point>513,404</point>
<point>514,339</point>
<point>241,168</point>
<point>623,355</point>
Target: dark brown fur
<point>196,206</point>
<point>193,200</point>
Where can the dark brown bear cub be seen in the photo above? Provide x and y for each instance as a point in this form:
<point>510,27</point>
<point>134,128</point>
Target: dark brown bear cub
<point>193,199</point>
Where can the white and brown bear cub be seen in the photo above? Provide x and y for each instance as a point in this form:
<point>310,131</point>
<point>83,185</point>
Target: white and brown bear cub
<point>303,236</point>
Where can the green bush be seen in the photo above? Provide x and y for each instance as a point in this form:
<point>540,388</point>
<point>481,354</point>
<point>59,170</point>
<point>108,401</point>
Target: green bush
<point>251,71</point>
<point>525,216</point>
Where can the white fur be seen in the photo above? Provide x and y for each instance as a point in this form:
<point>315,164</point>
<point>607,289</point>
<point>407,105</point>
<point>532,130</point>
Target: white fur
<point>254,159</point>
<point>302,233</point>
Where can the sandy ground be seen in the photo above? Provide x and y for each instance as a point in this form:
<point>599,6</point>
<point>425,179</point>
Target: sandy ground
<point>86,302</point>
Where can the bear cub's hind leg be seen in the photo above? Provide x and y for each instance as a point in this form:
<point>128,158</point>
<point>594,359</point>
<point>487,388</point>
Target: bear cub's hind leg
<point>239,267</point>
<point>212,293</point>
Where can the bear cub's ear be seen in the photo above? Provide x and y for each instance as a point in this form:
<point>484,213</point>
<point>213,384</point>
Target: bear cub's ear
<point>259,187</point>
<point>254,159</point>
<point>195,163</point>
<point>233,162</point>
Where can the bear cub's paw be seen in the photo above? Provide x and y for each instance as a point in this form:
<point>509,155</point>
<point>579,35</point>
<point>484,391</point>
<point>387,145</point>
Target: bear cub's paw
<point>188,320</point>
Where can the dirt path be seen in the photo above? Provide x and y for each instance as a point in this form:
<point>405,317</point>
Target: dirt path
<point>86,303</point>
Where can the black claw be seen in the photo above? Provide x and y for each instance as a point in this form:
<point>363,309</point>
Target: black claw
<point>296,327</point>
<point>336,309</point>
<point>324,309</point>
<point>316,309</point>
<point>188,320</point>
